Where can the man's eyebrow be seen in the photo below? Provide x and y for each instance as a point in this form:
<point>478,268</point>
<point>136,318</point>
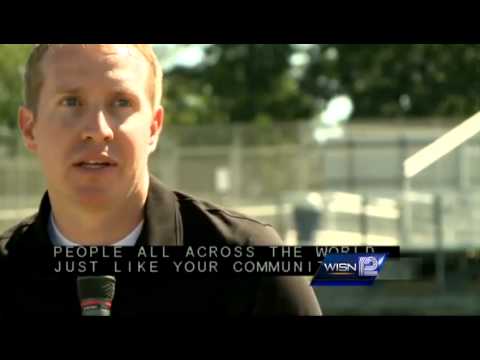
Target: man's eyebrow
<point>124,91</point>
<point>68,90</point>
<point>60,90</point>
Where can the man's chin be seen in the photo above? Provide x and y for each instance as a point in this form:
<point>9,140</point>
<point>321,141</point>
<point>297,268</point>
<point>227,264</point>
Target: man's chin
<point>96,198</point>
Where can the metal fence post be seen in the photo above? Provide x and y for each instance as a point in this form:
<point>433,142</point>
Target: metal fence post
<point>236,162</point>
<point>463,168</point>
<point>351,163</point>
<point>406,213</point>
<point>364,220</point>
<point>303,180</point>
<point>403,150</point>
<point>176,154</point>
<point>440,261</point>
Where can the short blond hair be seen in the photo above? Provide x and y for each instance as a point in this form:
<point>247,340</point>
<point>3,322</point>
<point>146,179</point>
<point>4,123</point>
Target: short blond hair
<point>33,78</point>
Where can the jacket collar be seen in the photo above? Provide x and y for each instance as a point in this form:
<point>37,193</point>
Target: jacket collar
<point>162,217</point>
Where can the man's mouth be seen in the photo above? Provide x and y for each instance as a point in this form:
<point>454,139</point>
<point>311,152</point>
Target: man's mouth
<point>94,164</point>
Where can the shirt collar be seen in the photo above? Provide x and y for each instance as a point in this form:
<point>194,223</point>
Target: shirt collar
<point>58,239</point>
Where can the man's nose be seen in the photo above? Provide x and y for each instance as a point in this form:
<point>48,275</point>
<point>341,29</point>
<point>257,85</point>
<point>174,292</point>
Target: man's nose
<point>97,127</point>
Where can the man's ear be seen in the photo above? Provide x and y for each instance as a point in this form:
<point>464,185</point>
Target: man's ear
<point>156,128</point>
<point>26,122</point>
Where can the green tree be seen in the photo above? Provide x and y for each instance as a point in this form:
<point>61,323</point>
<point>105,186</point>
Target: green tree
<point>12,65</point>
<point>237,83</point>
<point>410,81</point>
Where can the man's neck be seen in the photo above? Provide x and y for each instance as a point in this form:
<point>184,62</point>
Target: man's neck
<point>99,227</point>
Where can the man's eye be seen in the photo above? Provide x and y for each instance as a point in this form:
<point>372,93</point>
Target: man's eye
<point>122,103</point>
<point>70,102</point>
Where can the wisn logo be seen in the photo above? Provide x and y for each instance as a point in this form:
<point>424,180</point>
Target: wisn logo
<point>349,269</point>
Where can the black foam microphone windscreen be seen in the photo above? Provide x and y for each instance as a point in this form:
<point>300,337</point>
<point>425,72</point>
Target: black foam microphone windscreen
<point>96,294</point>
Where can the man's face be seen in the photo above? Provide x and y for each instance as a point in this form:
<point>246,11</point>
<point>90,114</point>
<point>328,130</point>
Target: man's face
<point>95,125</point>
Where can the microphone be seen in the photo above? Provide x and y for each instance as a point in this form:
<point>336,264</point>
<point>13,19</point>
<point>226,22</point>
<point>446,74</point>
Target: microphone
<point>96,294</point>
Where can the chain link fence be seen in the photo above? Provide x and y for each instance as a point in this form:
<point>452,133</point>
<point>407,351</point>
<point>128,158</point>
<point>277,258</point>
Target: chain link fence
<point>353,181</point>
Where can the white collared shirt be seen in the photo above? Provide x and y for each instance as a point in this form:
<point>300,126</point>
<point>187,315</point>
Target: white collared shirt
<point>58,239</point>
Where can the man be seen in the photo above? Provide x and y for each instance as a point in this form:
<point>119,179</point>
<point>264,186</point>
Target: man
<point>92,116</point>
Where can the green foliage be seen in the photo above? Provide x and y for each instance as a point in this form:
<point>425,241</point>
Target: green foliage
<point>257,83</point>
<point>236,83</point>
<point>430,80</point>
<point>12,60</point>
